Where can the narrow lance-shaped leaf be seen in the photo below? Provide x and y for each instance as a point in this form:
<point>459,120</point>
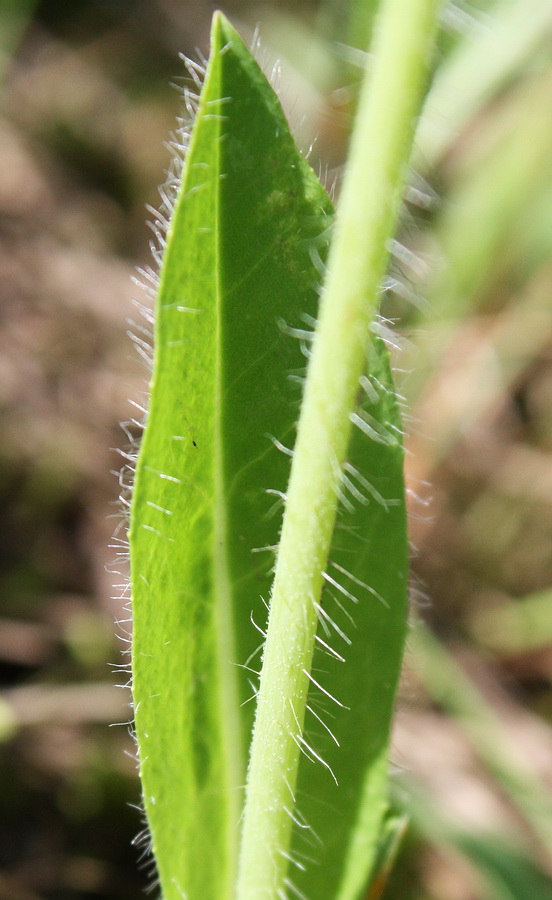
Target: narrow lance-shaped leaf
<point>238,286</point>
<point>237,274</point>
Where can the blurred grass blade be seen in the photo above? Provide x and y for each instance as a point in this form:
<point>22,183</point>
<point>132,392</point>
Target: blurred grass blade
<point>15,16</point>
<point>517,626</point>
<point>510,874</point>
<point>494,195</point>
<point>237,275</point>
<point>479,377</point>
<point>507,869</point>
<point>496,50</point>
<point>447,684</point>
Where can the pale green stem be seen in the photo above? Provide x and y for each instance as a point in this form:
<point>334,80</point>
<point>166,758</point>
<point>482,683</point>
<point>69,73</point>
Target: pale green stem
<point>389,103</point>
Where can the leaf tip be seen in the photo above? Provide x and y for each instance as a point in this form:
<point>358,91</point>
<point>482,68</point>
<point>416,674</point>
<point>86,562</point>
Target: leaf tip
<point>222,31</point>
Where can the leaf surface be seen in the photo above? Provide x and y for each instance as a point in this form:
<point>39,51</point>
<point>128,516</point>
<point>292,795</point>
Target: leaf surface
<point>367,603</point>
<point>237,292</point>
<point>236,273</point>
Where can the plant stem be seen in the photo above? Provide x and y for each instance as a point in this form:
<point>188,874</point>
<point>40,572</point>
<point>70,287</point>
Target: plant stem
<point>389,103</point>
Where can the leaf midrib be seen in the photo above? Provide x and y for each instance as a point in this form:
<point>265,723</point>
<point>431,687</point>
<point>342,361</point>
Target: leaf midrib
<point>229,701</point>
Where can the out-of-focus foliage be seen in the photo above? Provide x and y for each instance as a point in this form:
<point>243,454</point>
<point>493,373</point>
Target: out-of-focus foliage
<point>85,110</point>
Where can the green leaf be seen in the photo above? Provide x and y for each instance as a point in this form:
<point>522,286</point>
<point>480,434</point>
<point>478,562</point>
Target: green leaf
<point>366,220</point>
<point>370,545</point>
<point>239,285</point>
<point>248,212</point>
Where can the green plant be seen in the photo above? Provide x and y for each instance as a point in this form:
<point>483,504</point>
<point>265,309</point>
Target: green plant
<point>237,300</point>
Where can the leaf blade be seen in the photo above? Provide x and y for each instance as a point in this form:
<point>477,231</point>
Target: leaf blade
<point>220,384</point>
<point>371,547</point>
<point>252,212</point>
<point>357,260</point>
<point>183,752</point>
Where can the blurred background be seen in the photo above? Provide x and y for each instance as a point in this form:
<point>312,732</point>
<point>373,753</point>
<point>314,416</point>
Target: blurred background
<point>86,104</point>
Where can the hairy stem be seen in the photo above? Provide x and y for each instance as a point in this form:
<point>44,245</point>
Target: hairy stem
<point>366,218</point>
